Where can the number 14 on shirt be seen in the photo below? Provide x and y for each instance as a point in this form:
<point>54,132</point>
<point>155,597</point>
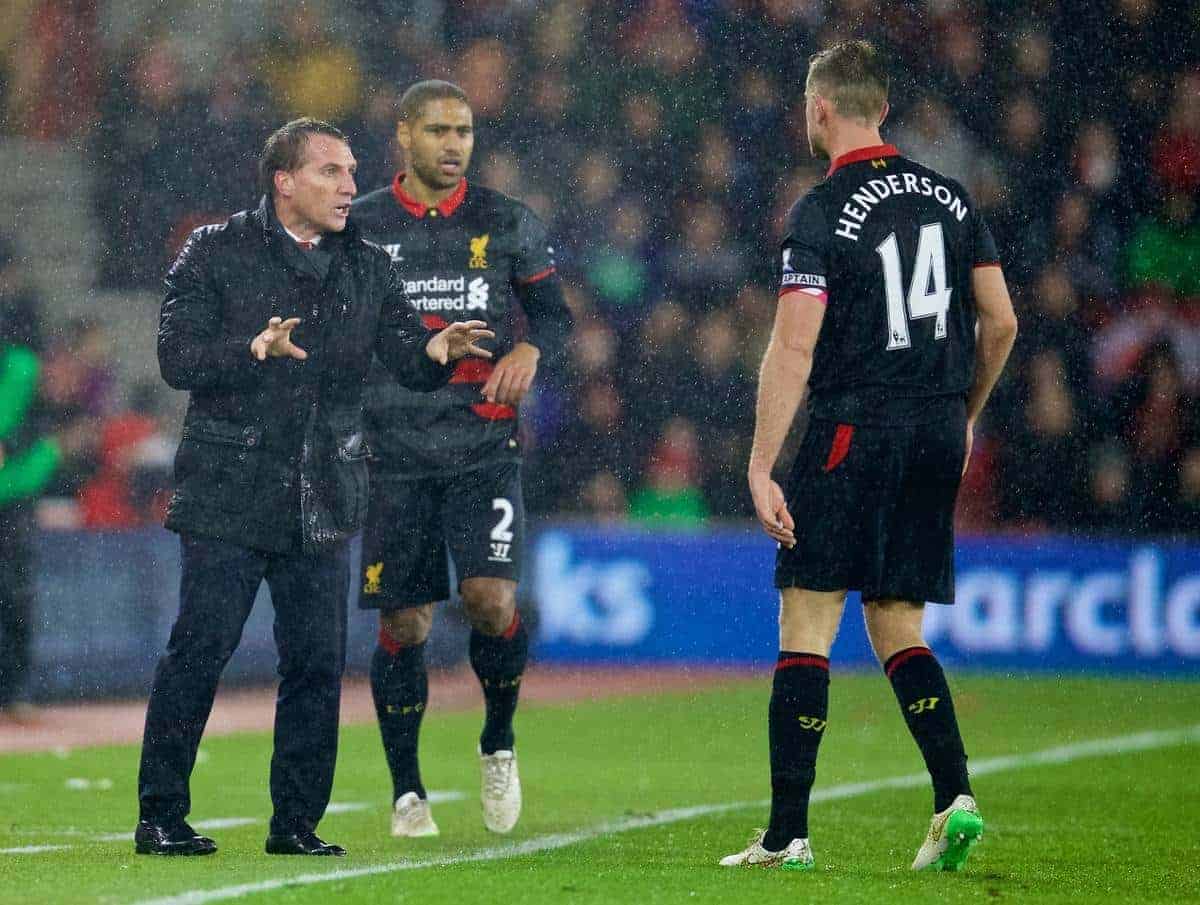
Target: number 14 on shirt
<point>928,295</point>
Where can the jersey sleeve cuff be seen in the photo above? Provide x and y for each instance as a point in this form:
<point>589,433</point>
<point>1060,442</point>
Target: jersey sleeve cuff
<point>534,278</point>
<point>812,292</point>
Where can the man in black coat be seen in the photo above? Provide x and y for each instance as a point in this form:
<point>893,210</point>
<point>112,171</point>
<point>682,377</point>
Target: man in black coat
<point>270,321</point>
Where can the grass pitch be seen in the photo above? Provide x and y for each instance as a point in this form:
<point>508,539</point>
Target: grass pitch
<point>607,786</point>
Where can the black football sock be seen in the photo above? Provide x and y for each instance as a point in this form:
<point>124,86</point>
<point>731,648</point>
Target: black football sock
<point>928,708</point>
<point>499,662</point>
<point>400,687</point>
<point>796,722</point>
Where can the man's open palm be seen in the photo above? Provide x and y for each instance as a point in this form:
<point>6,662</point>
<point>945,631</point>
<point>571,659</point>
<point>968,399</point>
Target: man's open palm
<point>458,340</point>
<point>276,341</point>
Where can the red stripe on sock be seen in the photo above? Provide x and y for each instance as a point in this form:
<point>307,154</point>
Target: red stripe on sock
<point>388,643</point>
<point>511,631</point>
<point>895,661</point>
<point>809,660</point>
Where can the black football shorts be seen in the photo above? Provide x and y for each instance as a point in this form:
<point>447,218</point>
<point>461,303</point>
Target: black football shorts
<point>477,518</point>
<point>874,510</point>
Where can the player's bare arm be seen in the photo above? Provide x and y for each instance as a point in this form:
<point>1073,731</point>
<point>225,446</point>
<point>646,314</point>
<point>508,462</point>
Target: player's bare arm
<point>276,341</point>
<point>458,341</point>
<point>996,331</point>
<point>513,376</point>
<point>781,383</point>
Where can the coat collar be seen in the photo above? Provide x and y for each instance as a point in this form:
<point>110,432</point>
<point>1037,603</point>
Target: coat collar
<point>336,244</point>
<point>265,213</point>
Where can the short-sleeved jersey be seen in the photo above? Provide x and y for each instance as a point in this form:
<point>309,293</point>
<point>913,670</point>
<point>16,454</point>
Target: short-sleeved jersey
<point>466,259</point>
<point>888,245</point>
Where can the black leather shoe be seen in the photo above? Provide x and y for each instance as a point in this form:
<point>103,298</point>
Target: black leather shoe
<point>170,839</point>
<point>305,842</point>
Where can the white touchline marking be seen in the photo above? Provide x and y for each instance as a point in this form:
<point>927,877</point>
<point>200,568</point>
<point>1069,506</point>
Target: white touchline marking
<point>347,807</point>
<point>225,823</point>
<point>215,823</point>
<point>447,796</point>
<point>1122,744</point>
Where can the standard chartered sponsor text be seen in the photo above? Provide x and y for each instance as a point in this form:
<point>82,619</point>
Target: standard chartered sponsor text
<point>434,293</point>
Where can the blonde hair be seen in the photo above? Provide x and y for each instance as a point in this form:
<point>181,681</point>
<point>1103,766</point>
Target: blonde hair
<point>851,74</point>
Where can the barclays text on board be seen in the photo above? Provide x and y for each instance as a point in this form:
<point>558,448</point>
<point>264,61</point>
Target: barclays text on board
<point>1069,603</point>
<point>1042,603</point>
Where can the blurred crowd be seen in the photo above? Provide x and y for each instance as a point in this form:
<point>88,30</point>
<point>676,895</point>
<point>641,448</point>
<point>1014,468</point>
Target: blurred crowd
<point>112,450</point>
<point>663,141</point>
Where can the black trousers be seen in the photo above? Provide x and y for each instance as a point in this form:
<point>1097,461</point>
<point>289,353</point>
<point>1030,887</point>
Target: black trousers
<point>16,603</point>
<point>218,587</point>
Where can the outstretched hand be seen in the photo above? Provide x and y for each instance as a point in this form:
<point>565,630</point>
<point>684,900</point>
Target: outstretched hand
<point>276,341</point>
<point>458,340</point>
<point>771,508</point>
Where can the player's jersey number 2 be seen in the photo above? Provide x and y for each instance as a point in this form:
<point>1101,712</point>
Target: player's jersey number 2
<point>928,294</point>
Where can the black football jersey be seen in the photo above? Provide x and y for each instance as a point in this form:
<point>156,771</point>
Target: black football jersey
<point>475,256</point>
<point>888,245</point>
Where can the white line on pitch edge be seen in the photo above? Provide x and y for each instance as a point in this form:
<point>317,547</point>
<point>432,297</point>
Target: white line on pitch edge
<point>436,796</point>
<point>215,823</point>
<point>1123,744</point>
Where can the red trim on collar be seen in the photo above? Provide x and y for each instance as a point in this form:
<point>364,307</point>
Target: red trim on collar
<point>445,207</point>
<point>874,152</point>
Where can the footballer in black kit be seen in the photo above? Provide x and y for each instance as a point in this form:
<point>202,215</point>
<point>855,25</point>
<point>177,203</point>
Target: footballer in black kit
<point>888,246</point>
<point>446,466</point>
<point>894,316</point>
<point>477,255</point>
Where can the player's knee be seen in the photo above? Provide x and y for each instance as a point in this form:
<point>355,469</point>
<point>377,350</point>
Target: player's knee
<point>893,625</point>
<point>809,623</point>
<point>410,626</point>
<point>490,603</point>
<point>797,635</point>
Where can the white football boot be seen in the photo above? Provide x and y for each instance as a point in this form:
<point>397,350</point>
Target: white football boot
<point>500,790</point>
<point>412,817</point>
<point>797,856</point>
<point>952,834</point>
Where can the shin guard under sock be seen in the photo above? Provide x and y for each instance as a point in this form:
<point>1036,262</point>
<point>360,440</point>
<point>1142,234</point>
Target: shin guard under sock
<point>798,711</point>
<point>499,662</point>
<point>928,709</point>
<point>400,687</point>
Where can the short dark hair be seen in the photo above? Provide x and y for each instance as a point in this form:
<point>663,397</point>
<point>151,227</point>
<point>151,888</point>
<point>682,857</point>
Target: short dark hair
<point>418,95</point>
<point>853,76</point>
<point>284,150</point>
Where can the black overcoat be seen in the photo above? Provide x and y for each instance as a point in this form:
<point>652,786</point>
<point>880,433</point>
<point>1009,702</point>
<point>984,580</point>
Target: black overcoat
<point>272,452</point>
